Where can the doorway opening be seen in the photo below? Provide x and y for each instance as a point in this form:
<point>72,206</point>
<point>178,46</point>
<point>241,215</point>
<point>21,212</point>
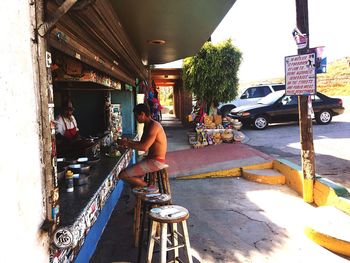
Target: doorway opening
<point>166,95</point>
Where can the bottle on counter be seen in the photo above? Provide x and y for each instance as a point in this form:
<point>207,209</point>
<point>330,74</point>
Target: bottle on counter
<point>69,181</point>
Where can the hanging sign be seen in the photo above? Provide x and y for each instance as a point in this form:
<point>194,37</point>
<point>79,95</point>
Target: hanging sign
<point>300,38</point>
<point>300,74</point>
<point>48,59</point>
<point>321,59</point>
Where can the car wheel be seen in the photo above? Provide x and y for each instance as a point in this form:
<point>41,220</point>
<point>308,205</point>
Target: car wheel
<point>324,117</point>
<point>226,109</point>
<point>260,122</point>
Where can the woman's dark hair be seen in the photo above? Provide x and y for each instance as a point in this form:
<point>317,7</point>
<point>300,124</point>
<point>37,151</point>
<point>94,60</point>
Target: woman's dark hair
<point>67,105</point>
<point>142,108</point>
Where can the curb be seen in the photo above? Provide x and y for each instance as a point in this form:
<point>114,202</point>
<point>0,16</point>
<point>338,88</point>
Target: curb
<point>266,178</point>
<point>331,243</point>
<point>246,139</point>
<point>234,172</point>
<point>325,193</point>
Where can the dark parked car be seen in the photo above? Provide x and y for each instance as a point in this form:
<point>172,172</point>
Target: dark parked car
<point>250,96</point>
<point>278,107</point>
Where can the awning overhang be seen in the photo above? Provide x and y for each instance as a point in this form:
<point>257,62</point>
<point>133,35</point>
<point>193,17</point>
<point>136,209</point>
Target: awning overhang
<point>184,26</point>
<point>127,36</point>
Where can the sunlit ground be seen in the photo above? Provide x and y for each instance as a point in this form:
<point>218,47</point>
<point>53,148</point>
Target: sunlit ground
<point>322,146</point>
<point>234,220</point>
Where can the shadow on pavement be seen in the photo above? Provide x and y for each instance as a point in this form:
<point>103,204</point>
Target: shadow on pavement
<point>231,220</point>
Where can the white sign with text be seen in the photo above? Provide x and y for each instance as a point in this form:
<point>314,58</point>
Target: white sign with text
<point>300,74</point>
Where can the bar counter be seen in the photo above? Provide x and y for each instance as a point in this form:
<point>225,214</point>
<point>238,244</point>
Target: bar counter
<point>73,204</point>
<point>80,209</point>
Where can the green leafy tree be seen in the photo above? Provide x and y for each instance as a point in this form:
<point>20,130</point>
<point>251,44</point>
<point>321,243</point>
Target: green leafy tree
<point>211,75</point>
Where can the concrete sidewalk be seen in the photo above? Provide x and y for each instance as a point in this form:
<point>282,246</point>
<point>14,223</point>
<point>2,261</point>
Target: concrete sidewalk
<point>184,160</point>
<point>213,158</point>
<point>231,219</point>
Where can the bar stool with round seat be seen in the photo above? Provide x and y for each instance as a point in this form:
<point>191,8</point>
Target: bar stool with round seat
<point>158,179</point>
<point>139,193</point>
<point>150,201</point>
<point>164,215</point>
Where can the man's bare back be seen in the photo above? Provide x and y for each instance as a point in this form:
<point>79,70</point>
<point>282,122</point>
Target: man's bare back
<point>154,130</point>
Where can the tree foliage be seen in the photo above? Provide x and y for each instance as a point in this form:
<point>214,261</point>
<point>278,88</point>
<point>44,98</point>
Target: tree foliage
<point>211,75</point>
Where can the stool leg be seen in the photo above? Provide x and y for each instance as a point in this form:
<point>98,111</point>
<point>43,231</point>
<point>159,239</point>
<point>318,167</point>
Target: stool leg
<point>146,178</point>
<point>160,183</point>
<point>153,178</point>
<point>187,241</point>
<point>140,245</point>
<point>137,215</point>
<point>175,242</point>
<point>151,241</point>
<point>165,180</point>
<point>163,242</point>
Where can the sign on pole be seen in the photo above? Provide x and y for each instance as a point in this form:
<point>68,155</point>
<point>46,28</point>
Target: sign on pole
<point>300,74</point>
<point>321,59</point>
<point>300,38</point>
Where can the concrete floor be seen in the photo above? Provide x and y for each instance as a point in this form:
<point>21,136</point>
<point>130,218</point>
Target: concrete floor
<point>231,220</point>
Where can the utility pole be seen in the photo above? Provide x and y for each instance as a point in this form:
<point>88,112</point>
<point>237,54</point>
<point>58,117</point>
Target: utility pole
<point>305,118</point>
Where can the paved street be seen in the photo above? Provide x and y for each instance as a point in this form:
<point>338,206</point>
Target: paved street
<point>331,144</point>
<point>231,220</point>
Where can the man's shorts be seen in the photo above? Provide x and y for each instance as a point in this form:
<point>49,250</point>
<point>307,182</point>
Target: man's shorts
<point>145,166</point>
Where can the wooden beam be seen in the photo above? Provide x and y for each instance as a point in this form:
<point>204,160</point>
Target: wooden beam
<point>79,32</point>
<point>169,72</point>
<point>164,80</point>
<point>43,82</point>
<point>73,48</point>
<point>60,12</point>
<point>111,19</point>
<point>165,77</point>
<point>98,29</point>
<point>165,84</point>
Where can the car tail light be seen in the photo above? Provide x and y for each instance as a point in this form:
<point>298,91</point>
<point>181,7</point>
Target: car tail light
<point>340,102</point>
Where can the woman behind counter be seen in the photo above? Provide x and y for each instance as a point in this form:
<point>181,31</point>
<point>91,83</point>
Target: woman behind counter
<point>66,124</point>
<point>68,140</point>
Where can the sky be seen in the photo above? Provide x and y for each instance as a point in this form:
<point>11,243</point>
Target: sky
<point>262,30</point>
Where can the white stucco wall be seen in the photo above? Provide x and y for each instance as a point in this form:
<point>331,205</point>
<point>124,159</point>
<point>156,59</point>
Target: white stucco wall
<point>22,210</point>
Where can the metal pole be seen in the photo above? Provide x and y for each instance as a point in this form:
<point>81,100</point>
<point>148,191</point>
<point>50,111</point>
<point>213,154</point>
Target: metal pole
<point>305,120</point>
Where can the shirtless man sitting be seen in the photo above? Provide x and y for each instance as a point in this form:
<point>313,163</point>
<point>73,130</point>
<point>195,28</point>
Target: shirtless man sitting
<point>153,140</point>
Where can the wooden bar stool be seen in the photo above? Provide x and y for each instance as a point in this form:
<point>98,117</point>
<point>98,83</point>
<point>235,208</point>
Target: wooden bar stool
<point>158,179</point>
<point>150,201</point>
<point>139,193</point>
<point>164,215</point>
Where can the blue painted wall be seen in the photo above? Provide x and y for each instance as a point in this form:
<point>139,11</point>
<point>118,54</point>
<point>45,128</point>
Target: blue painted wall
<point>126,99</point>
<point>92,238</point>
